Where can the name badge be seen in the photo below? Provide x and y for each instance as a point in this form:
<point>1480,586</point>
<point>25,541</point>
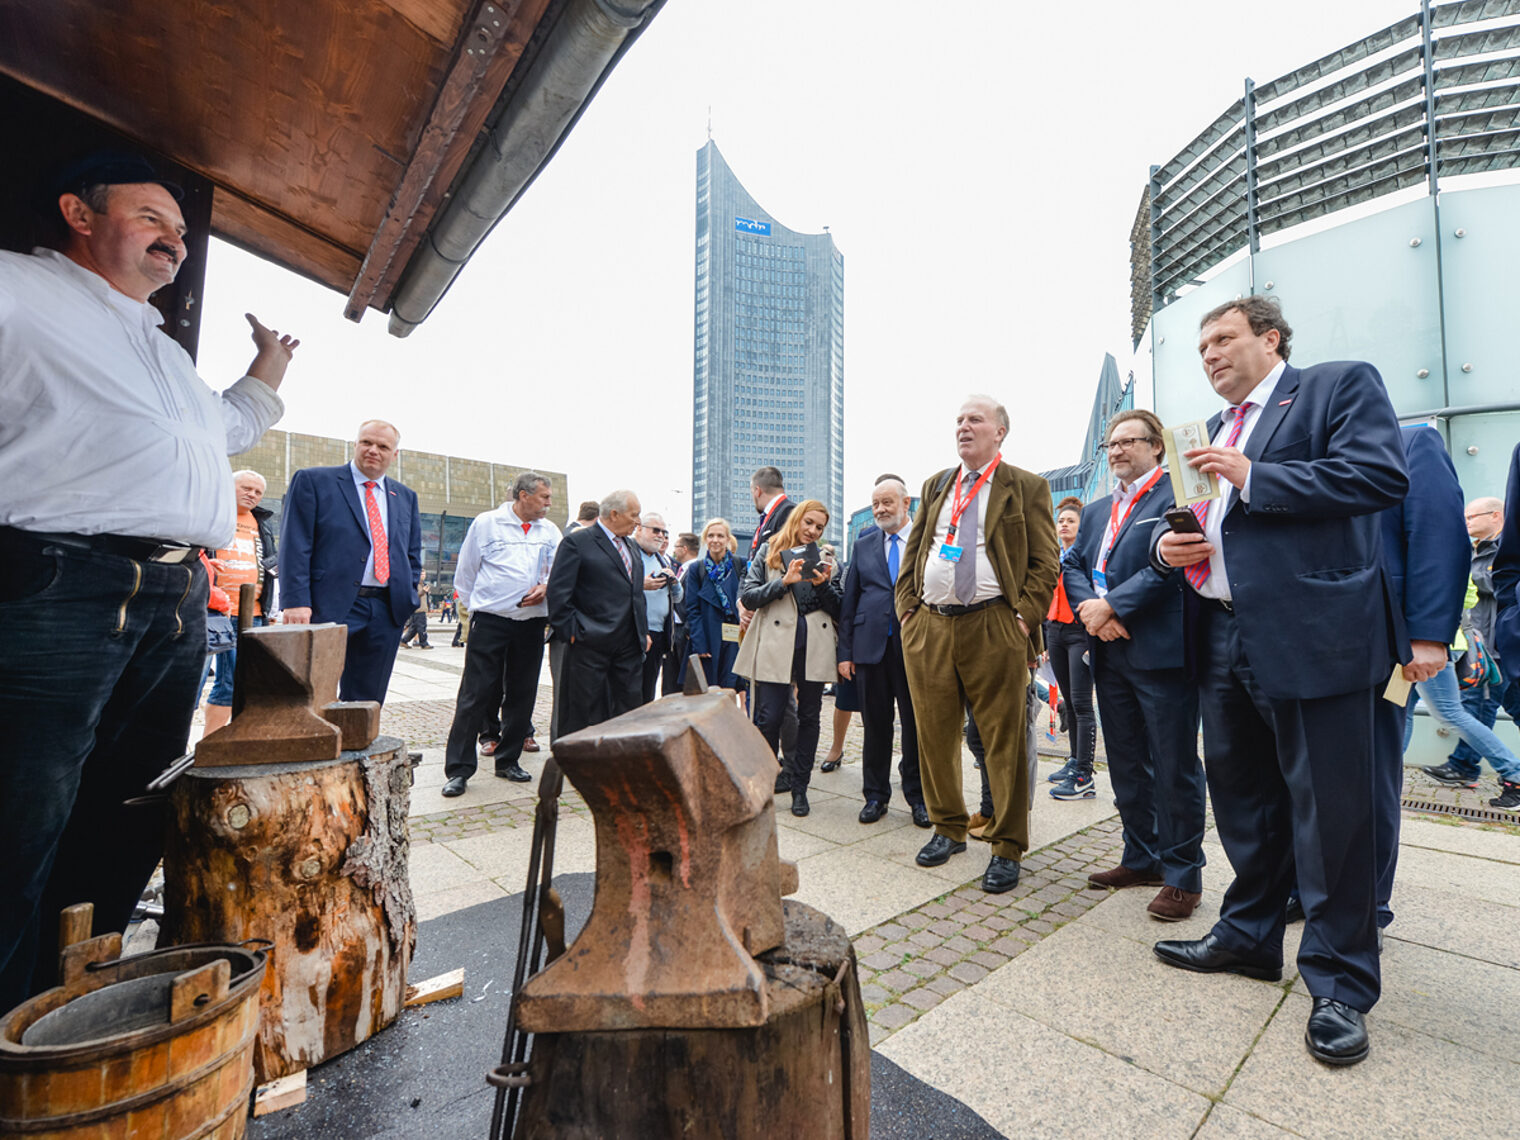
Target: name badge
<point>950,553</point>
<point>731,631</point>
<point>1100,583</point>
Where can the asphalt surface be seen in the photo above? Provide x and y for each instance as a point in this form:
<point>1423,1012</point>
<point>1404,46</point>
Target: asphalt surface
<point>424,1077</point>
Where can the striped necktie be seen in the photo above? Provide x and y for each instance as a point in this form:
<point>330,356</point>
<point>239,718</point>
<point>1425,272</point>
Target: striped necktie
<point>1198,573</point>
<point>377,534</point>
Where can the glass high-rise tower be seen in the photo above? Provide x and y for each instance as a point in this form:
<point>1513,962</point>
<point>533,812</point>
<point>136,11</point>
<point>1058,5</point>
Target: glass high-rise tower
<point>768,371</point>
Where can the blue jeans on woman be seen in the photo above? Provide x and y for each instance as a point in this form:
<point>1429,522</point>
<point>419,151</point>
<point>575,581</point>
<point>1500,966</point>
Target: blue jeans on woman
<point>1444,697</point>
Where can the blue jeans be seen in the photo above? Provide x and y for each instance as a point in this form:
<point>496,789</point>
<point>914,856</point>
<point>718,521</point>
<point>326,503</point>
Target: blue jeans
<point>226,668</point>
<point>1448,706</point>
<point>1483,704</point>
<point>97,685</point>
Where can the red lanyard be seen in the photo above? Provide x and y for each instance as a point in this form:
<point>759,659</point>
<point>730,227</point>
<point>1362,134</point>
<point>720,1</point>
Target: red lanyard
<point>755,542</point>
<point>1115,523</point>
<point>958,504</point>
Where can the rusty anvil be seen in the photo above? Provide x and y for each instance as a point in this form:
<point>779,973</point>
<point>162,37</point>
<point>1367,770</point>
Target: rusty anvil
<point>285,708</point>
<point>688,881</point>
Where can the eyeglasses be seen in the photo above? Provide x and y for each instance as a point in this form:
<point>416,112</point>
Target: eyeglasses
<point>656,530</point>
<point>1126,444</point>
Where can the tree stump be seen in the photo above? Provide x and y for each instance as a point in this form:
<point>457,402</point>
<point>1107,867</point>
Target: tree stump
<point>805,1072</point>
<point>313,857</point>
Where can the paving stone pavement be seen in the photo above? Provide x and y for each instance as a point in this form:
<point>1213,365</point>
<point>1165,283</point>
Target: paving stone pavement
<point>1044,1010</point>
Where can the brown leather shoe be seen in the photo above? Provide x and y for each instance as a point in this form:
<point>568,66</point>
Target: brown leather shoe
<point>1121,877</point>
<point>1173,904</point>
<point>977,825</point>
<point>530,745</point>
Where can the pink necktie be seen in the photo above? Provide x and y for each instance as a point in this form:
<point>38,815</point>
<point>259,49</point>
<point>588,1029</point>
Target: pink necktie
<point>1198,573</point>
<point>623,550</point>
<point>377,534</point>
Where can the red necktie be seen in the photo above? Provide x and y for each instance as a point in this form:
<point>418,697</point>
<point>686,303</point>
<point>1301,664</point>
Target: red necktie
<point>623,550</point>
<point>1198,573</point>
<point>527,527</point>
<point>377,534</point>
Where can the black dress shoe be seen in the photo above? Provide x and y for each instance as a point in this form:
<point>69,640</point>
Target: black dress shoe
<point>938,851</point>
<point>829,766</point>
<point>1207,956</point>
<point>514,772</point>
<point>921,816</point>
<point>1001,875</point>
<point>799,802</point>
<point>783,784</point>
<point>873,811</point>
<point>1294,911</point>
<point>456,786</point>
<point>1336,1033</point>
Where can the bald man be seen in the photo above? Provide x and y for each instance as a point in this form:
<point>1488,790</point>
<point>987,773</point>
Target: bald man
<point>351,552</point>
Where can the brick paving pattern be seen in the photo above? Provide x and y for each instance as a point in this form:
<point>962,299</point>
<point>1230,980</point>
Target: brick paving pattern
<point>911,963</point>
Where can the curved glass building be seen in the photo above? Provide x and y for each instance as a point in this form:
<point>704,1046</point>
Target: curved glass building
<point>768,356</point>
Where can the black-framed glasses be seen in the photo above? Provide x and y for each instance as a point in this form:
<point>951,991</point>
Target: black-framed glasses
<point>657,530</point>
<point>1126,444</point>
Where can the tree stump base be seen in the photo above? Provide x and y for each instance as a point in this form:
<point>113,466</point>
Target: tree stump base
<point>312,857</point>
<point>805,1072</point>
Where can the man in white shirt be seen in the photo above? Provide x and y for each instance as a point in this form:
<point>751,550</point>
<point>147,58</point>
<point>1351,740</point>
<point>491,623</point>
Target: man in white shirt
<point>113,474</point>
<point>976,581</point>
<point>503,577</point>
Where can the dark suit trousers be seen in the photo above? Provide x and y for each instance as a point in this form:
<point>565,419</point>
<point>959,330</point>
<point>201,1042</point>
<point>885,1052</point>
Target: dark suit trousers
<point>654,663</point>
<point>599,683</point>
<point>880,687</point>
<point>1292,780</point>
<point>1150,733</point>
<point>501,667</point>
<point>374,638</point>
<point>675,657</point>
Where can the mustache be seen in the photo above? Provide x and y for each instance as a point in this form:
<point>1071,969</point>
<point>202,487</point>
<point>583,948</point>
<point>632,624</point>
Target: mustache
<point>164,247</point>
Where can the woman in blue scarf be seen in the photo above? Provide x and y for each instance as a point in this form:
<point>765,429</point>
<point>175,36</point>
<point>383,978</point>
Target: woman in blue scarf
<point>712,607</point>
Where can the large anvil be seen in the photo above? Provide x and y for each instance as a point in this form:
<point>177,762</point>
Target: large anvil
<point>688,881</point>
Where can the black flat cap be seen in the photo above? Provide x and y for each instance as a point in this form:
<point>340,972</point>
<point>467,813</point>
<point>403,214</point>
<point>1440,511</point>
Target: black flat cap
<point>110,168</point>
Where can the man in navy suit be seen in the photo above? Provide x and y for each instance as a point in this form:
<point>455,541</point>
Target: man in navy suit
<point>596,607</point>
<point>870,651</point>
<point>351,552</point>
<point>1291,630</point>
<point>1507,600</point>
<point>1146,704</point>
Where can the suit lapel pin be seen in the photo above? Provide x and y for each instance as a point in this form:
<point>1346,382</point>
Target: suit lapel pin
<point>1284,403</point>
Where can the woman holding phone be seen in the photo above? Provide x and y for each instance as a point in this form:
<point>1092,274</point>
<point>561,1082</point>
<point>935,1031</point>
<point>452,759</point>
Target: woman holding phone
<point>712,611</point>
<point>791,638</point>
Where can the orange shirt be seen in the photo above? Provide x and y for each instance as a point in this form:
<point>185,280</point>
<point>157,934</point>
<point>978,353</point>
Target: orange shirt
<point>240,561</point>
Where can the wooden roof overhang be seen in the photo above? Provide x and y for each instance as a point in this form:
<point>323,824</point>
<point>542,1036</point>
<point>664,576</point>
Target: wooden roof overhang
<point>332,130</point>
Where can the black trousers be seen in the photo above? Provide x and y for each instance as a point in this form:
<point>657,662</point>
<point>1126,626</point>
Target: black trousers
<point>1150,733</point>
<point>771,701</point>
<point>599,683</point>
<point>1293,779</point>
<point>880,687</point>
<point>675,657</point>
<point>501,668</point>
<point>416,626</point>
<point>1068,643</point>
<point>654,663</point>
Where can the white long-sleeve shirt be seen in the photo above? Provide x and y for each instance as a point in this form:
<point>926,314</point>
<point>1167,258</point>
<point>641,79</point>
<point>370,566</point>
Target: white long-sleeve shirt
<point>105,428</point>
<point>499,562</point>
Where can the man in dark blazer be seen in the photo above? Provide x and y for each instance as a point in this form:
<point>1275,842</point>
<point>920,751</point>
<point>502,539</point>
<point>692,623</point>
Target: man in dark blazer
<point>1507,600</point>
<point>1146,704</point>
<point>351,552</point>
<point>970,601</point>
<point>870,652</point>
<point>1291,629</point>
<point>596,608</point>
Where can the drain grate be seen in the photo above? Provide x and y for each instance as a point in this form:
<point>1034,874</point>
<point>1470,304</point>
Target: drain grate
<point>1482,815</point>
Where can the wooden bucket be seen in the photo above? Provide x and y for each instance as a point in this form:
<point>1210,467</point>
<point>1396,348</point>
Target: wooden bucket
<point>158,1046</point>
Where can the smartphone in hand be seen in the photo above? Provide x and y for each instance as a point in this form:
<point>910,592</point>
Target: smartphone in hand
<point>1183,521</point>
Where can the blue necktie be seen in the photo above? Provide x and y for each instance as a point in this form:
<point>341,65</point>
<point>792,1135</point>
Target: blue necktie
<point>893,562</point>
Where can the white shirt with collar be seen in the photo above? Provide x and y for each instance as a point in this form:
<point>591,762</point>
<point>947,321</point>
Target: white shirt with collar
<point>499,563</point>
<point>1121,497</point>
<point>1217,585</point>
<point>105,428</point>
<point>939,575</point>
<point>382,497</point>
<point>902,545</point>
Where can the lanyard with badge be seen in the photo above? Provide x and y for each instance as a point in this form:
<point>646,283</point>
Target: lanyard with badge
<point>1115,525</point>
<point>948,550</point>
<point>754,542</point>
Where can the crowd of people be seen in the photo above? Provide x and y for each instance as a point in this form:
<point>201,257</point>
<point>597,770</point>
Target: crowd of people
<point>1285,615</point>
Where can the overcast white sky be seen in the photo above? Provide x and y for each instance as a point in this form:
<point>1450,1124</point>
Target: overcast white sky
<point>979,163</point>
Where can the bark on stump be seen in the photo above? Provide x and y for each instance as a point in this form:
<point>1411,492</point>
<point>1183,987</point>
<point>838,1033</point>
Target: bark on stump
<point>313,857</point>
<point>805,1072</point>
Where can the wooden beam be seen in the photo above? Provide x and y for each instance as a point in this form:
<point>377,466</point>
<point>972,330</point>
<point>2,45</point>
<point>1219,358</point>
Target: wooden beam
<point>441,988</point>
<point>481,41</point>
<point>287,1092</point>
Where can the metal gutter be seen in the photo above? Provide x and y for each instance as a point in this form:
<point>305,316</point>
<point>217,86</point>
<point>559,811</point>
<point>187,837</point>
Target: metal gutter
<point>586,44</point>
